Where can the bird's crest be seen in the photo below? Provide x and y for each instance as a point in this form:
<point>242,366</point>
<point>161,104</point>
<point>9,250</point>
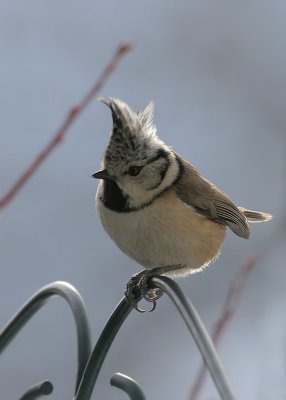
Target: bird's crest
<point>133,134</point>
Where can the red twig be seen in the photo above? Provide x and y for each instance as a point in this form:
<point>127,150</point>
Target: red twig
<point>70,117</point>
<point>228,310</point>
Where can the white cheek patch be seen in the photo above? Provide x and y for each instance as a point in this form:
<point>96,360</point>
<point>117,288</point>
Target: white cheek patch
<point>171,173</point>
<point>152,186</point>
<point>155,174</point>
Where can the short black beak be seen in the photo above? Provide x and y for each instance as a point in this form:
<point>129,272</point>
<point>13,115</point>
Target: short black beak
<point>103,174</point>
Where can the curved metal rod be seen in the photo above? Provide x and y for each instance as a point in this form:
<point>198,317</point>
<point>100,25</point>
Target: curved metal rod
<point>199,333</point>
<point>35,391</point>
<point>128,385</point>
<point>100,350</point>
<point>75,301</point>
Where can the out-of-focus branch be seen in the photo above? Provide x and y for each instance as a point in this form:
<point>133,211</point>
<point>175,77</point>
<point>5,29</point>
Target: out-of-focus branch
<point>228,310</point>
<point>67,122</point>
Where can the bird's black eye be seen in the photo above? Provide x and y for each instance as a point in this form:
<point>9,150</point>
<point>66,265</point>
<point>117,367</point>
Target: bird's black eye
<point>134,171</point>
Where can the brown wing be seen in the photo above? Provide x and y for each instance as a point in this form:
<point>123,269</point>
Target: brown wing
<point>210,201</point>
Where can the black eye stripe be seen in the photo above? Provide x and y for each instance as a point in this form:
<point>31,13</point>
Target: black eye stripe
<point>134,170</point>
<point>160,154</point>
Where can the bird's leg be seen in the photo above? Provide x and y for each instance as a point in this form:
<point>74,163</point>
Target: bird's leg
<point>133,291</point>
<point>139,286</point>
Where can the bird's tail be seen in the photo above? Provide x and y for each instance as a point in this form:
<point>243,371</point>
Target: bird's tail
<point>255,216</point>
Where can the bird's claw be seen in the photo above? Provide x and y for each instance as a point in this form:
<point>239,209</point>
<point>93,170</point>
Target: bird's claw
<point>138,287</point>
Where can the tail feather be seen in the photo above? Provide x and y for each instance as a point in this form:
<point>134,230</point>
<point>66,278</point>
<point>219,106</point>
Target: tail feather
<point>255,216</point>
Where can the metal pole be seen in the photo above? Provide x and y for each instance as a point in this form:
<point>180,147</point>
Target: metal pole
<point>199,333</point>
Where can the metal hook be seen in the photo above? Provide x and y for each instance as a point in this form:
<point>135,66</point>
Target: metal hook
<point>143,310</point>
<point>88,371</point>
<point>128,385</point>
<point>193,323</point>
<point>75,301</point>
<point>35,391</point>
<point>101,348</point>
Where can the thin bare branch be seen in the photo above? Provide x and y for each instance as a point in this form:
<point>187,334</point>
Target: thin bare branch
<point>67,122</point>
<point>228,310</point>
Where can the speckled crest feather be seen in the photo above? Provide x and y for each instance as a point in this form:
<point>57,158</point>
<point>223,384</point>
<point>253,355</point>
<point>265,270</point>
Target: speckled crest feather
<point>132,133</point>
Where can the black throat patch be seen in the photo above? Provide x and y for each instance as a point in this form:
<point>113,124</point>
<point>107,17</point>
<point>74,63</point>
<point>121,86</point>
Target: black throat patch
<point>113,198</point>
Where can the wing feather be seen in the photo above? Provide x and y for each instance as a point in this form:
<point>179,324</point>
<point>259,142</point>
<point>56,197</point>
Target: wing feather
<point>210,201</point>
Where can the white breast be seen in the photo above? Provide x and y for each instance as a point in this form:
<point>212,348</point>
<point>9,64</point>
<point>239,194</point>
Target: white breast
<point>166,233</point>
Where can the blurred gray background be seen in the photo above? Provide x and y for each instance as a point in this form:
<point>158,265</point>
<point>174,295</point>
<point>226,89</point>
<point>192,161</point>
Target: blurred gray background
<point>217,74</point>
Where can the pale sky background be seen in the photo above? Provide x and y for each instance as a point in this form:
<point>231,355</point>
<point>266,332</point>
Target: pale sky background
<point>217,74</point>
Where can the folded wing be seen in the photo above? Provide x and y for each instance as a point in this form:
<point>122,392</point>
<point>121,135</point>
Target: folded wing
<point>209,201</point>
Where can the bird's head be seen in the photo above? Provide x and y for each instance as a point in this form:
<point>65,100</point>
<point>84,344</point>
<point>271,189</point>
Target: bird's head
<point>135,158</point>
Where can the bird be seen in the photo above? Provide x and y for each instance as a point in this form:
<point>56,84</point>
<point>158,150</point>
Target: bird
<point>156,206</point>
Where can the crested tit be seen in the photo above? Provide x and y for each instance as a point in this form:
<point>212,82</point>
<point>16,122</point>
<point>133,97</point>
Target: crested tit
<point>155,205</point>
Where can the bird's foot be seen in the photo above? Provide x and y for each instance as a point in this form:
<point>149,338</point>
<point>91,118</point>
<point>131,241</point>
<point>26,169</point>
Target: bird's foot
<point>139,286</point>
